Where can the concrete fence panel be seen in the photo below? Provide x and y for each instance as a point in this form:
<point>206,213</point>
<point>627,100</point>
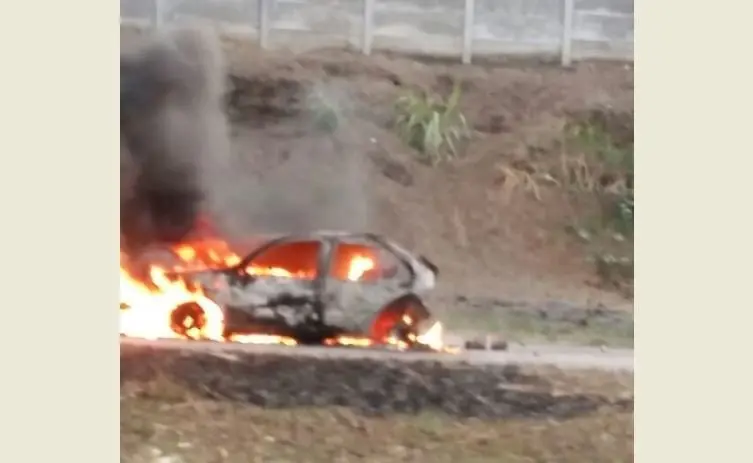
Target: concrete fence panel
<point>570,29</point>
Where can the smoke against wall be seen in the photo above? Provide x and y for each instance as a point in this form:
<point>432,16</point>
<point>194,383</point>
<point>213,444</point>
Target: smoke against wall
<point>178,164</point>
<point>172,128</point>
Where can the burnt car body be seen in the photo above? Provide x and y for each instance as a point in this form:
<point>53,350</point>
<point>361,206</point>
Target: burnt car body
<point>315,298</point>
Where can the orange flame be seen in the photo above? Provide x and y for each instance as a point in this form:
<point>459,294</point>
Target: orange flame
<point>358,266</point>
<point>146,310</point>
<point>147,306</point>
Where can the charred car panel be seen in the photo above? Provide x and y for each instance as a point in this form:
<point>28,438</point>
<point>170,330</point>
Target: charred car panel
<point>323,302</point>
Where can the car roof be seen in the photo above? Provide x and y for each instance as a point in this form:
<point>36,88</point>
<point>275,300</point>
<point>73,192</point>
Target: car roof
<point>252,242</point>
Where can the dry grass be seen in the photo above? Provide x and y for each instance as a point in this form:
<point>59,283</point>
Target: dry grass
<point>162,422</point>
<point>557,325</point>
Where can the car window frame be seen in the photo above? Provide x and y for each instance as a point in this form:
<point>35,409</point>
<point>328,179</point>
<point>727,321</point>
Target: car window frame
<point>240,268</point>
<point>374,242</point>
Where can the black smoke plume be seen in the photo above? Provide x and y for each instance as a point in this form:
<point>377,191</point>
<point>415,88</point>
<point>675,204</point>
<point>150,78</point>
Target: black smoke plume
<point>172,124</point>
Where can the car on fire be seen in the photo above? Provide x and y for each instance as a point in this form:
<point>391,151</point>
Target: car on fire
<point>315,287</point>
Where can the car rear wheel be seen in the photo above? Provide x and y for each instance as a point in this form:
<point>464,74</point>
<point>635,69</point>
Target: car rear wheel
<point>399,320</point>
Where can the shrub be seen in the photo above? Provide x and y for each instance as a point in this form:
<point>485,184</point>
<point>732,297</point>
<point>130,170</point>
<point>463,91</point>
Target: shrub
<point>616,272</point>
<point>432,125</point>
<point>604,167</point>
<point>324,111</point>
<point>599,161</point>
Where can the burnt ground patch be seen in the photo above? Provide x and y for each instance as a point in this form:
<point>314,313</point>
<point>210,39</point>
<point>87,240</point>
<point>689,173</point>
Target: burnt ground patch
<point>372,387</point>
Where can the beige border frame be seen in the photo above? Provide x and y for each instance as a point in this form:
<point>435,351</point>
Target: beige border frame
<point>693,309</point>
<point>60,231</point>
<point>693,243</point>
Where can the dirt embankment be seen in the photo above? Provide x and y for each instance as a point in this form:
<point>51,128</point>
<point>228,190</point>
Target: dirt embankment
<point>494,239</point>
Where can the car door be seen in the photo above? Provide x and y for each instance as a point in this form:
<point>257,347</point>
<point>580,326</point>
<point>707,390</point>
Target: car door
<point>364,276</point>
<point>281,272</point>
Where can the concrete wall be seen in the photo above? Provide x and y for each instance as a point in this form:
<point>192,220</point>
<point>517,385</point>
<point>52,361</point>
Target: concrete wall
<point>601,28</point>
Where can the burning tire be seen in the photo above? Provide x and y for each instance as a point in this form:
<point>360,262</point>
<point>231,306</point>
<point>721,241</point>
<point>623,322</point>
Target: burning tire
<point>400,321</point>
<point>188,320</point>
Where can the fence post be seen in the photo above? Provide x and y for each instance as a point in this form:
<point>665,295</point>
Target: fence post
<point>568,11</point>
<point>368,26</point>
<point>468,23</point>
<point>263,26</point>
<point>158,18</point>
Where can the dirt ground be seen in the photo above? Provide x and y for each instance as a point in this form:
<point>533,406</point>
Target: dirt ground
<point>163,421</point>
<point>246,434</point>
<point>506,258</point>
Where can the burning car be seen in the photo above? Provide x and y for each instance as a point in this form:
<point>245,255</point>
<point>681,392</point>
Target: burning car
<point>327,287</point>
<point>324,287</point>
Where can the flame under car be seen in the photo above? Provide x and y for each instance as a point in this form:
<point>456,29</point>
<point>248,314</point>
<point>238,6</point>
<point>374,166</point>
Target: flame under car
<point>331,288</point>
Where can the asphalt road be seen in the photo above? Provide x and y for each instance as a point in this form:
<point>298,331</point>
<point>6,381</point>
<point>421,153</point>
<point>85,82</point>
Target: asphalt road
<point>565,357</point>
